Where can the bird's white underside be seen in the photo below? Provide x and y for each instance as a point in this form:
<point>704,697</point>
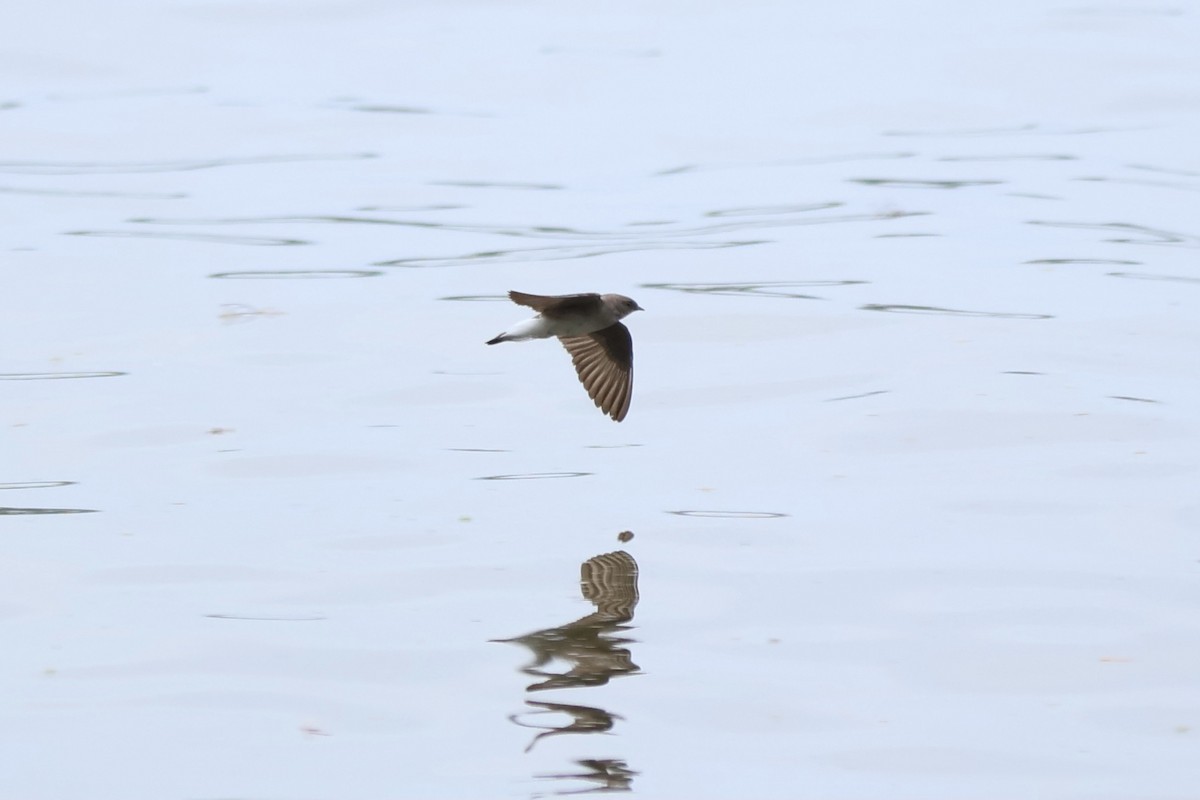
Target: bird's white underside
<point>541,328</point>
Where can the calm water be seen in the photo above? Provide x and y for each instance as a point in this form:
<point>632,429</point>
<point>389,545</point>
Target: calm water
<point>910,469</point>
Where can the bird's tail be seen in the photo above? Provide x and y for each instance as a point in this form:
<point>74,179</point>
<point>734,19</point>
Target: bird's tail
<point>498,339</point>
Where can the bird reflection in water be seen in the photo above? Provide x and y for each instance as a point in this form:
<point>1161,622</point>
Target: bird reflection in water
<point>595,651</point>
<point>589,644</point>
<point>609,775</point>
<point>584,719</point>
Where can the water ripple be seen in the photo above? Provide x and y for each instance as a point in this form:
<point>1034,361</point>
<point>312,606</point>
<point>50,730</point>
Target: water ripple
<point>1028,128</point>
<point>270,618</point>
<point>297,274</point>
<point>1149,276</point>
<point>1014,157</point>
<point>1105,261</point>
<point>1187,173</point>
<point>107,94</point>
<point>55,376</point>
<point>413,209</point>
<point>757,211</point>
<point>1016,129</point>
<point>952,312</point>
<point>1186,187</point>
<point>856,396</point>
<point>36,485</point>
<point>764,289</point>
<point>240,312</point>
<point>1153,236</point>
<point>553,253</point>
<point>115,167</point>
<point>533,476</point>
<point>380,108</point>
<point>905,183</point>
<point>542,187</point>
<point>730,514</point>
<point>684,169</point>
<point>25,512</point>
<point>82,193</point>
<point>768,217</point>
<point>584,243</point>
<point>210,238</point>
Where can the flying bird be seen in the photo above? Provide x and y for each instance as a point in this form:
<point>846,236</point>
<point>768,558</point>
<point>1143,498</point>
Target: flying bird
<point>589,326</point>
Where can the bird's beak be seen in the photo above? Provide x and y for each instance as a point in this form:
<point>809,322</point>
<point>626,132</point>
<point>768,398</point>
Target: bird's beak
<point>636,307</point>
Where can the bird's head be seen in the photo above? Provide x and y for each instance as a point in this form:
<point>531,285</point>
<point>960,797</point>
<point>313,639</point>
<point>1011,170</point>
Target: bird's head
<point>622,305</point>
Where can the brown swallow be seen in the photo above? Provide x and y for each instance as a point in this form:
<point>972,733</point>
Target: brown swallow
<point>589,326</point>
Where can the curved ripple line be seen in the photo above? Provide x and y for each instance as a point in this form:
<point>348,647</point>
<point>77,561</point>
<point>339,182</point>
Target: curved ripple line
<point>106,94</point>
<point>98,167</point>
<point>559,253</point>
<point>413,209</point>
<point>1186,187</point>
<point>56,376</point>
<point>857,396</point>
<point>965,131</point>
<point>1150,276</point>
<point>751,211</point>
<point>594,238</point>
<point>533,476</point>
<point>297,274</point>
<point>1153,236</point>
<point>1017,129</point>
<point>951,312</point>
<point>83,193</point>
<point>1166,170</point>
<point>36,484</point>
<point>213,238</point>
<point>1108,261</point>
<point>543,187</point>
<point>684,169</point>
<point>1014,157</point>
<point>729,514</point>
<point>763,289</point>
<point>271,618</point>
<point>904,183</point>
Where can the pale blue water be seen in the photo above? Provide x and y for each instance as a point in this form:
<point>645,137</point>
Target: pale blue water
<point>910,466</point>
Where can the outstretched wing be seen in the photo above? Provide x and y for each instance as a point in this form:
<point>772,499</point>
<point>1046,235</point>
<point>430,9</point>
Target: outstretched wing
<point>604,362</point>
<point>554,306</point>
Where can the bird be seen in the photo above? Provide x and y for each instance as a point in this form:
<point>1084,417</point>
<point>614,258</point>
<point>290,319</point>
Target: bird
<point>589,327</point>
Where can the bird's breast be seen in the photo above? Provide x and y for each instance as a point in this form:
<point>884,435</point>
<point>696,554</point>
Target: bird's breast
<point>579,326</point>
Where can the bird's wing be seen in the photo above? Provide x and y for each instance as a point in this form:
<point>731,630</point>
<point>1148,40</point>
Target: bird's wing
<point>604,363</point>
<point>553,306</point>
